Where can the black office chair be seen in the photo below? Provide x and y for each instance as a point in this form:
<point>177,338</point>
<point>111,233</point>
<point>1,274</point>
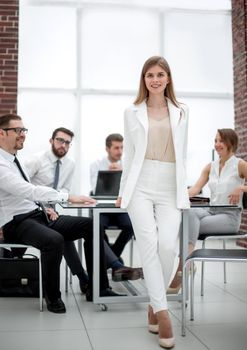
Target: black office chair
<point>205,255</point>
<point>204,237</point>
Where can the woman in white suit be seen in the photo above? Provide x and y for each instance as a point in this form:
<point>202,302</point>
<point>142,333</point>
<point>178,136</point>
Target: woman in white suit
<point>153,185</point>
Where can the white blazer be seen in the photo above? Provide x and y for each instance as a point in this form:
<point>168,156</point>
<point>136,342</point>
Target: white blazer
<point>135,145</point>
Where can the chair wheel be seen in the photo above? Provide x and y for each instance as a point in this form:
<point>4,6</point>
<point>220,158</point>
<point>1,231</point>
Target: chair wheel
<point>103,307</point>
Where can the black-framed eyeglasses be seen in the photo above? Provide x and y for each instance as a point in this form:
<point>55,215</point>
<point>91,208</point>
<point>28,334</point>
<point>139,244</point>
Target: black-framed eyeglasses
<point>18,131</point>
<point>62,141</point>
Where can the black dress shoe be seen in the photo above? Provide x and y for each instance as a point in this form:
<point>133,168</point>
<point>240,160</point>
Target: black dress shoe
<point>127,273</point>
<point>83,286</point>
<point>108,292</point>
<point>56,306</point>
<point>121,260</point>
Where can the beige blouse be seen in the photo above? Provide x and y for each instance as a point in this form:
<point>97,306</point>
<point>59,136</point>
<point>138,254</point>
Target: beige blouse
<point>160,144</point>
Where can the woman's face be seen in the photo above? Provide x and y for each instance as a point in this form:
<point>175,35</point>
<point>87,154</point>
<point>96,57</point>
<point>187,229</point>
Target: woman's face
<point>156,80</point>
<point>220,146</point>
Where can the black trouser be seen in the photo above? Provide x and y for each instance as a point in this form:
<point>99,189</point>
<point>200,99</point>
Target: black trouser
<point>123,223</point>
<point>49,238</point>
<point>72,258</point>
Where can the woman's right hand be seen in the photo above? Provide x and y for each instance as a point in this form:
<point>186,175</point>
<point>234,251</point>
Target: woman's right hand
<point>234,197</point>
<point>118,202</point>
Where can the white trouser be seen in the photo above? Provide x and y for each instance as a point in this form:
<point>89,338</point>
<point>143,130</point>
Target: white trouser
<point>156,220</point>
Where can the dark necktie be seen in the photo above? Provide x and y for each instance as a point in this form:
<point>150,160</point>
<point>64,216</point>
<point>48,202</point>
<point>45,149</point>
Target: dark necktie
<point>21,170</point>
<point>56,175</point>
<point>56,179</point>
<point>41,205</point>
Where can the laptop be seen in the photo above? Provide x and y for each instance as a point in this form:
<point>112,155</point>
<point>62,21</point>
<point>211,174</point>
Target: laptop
<point>199,201</point>
<point>107,185</point>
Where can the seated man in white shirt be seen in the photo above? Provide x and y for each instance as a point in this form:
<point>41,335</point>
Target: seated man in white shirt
<point>41,169</point>
<point>54,168</point>
<point>24,219</point>
<point>114,149</point>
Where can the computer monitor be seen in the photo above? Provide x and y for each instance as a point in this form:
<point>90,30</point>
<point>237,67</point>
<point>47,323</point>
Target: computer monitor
<point>108,182</point>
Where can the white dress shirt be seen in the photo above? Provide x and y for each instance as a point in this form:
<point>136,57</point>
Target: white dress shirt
<point>100,164</point>
<point>223,184</point>
<point>18,196</point>
<point>41,170</point>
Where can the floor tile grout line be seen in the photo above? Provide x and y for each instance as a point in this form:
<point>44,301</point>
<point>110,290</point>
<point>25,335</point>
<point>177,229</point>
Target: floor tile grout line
<point>188,330</point>
<point>81,316</point>
<point>225,291</point>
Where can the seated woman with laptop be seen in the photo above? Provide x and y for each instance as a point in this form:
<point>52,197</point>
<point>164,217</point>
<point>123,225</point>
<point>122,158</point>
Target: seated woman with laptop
<point>226,179</point>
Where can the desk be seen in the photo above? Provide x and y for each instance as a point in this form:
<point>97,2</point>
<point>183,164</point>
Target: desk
<point>132,287</point>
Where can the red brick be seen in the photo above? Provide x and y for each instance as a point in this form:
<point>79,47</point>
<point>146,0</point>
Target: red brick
<point>9,78</point>
<point>9,2</point>
<point>7,12</point>
<point>242,242</point>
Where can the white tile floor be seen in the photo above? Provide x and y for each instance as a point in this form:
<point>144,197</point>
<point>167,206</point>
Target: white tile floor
<point>220,319</point>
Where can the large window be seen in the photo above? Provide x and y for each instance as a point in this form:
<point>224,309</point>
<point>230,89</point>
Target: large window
<point>80,62</point>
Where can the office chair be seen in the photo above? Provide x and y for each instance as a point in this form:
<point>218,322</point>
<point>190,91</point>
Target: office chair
<point>205,255</point>
<point>204,237</point>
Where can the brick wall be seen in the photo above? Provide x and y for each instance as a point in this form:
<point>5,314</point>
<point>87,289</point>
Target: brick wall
<point>239,32</point>
<point>9,13</point>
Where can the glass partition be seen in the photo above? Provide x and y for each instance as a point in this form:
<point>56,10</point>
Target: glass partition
<point>47,47</point>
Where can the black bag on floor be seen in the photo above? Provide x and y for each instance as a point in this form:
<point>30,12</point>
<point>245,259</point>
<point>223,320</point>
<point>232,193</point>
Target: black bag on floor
<point>19,276</point>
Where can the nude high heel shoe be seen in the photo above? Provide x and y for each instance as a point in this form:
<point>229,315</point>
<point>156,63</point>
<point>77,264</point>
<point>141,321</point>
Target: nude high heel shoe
<point>167,343</point>
<point>153,328</point>
<point>175,290</point>
<point>165,328</point>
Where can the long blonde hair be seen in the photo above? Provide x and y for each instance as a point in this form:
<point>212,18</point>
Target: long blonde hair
<point>143,92</point>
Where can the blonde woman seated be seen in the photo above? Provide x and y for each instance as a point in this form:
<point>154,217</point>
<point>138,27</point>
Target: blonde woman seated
<point>226,180</point>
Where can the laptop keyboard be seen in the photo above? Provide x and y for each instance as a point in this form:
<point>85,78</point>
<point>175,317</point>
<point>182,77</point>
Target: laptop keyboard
<point>105,205</point>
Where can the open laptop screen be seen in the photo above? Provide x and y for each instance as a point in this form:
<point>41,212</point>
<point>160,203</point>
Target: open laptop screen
<point>108,182</point>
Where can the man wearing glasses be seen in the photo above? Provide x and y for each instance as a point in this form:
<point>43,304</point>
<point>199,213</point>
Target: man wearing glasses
<point>42,169</point>
<point>24,220</point>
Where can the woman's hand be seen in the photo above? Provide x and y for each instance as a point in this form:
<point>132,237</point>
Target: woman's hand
<point>234,197</point>
<point>118,202</point>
